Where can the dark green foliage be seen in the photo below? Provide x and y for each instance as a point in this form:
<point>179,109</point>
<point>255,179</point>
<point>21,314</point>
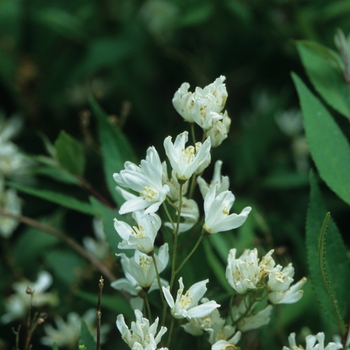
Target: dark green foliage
<point>327,260</point>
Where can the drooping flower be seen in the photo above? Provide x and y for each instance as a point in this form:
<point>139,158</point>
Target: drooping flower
<point>142,336</point>
<point>289,295</point>
<point>187,161</point>
<point>146,180</point>
<point>219,130</point>
<point>243,273</point>
<point>17,304</point>
<point>186,305</point>
<point>222,183</point>
<point>66,333</point>
<point>217,212</point>
<point>311,343</point>
<point>204,105</point>
<point>142,236</point>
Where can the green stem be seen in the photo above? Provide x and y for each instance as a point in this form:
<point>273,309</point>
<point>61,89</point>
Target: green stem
<point>158,279</point>
<point>193,134</point>
<point>230,307</point>
<point>190,254</point>
<point>173,263</point>
<point>148,309</point>
<point>170,331</point>
<point>168,215</point>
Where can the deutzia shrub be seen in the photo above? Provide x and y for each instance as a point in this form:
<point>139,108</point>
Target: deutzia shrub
<point>164,207</point>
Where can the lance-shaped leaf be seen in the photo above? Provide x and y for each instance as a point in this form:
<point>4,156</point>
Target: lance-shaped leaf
<point>56,197</point>
<point>69,154</point>
<point>329,147</point>
<point>324,68</point>
<point>327,260</point>
<point>115,147</point>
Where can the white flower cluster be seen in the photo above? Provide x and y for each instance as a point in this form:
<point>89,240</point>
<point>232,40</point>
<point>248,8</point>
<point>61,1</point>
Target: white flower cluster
<point>246,273</point>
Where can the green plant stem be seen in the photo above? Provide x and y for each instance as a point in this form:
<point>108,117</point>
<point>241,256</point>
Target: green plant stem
<point>168,215</point>
<point>190,254</point>
<point>170,331</point>
<point>175,239</point>
<point>158,279</point>
<point>193,134</point>
<point>53,232</point>
<point>148,309</point>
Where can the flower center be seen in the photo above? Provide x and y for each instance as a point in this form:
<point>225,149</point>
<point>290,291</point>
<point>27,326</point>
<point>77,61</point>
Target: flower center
<point>148,193</point>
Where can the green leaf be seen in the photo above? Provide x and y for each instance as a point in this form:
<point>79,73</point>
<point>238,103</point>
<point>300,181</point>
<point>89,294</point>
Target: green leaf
<point>54,346</point>
<point>55,173</point>
<point>86,339</point>
<point>55,197</point>
<point>116,149</point>
<point>335,259</point>
<point>216,266</point>
<point>329,148</point>
<point>324,69</point>
<point>69,154</point>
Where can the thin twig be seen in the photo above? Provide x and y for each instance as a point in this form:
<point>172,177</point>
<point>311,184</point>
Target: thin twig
<point>99,313</point>
<point>73,244</point>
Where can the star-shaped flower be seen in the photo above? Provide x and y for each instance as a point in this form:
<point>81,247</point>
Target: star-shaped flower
<point>186,305</point>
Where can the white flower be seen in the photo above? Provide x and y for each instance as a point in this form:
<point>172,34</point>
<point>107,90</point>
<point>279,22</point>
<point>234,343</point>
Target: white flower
<point>187,161</point>
<point>17,304</point>
<point>311,343</point>
<point>252,320</point>
<point>204,105</point>
<point>288,296</point>
<point>279,283</point>
<point>142,334</point>
<point>186,305</point>
<point>189,212</point>
<point>98,247</point>
<point>140,269</point>
<point>219,130</point>
<point>222,183</point>
<point>142,236</point>
<point>66,333</point>
<point>146,180</point>
<point>243,273</point>
<point>197,326</point>
<point>227,344</point>
<point>217,212</point>
<point>9,202</point>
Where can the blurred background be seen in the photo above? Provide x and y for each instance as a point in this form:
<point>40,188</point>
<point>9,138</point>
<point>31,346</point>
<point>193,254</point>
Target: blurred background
<point>132,56</point>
